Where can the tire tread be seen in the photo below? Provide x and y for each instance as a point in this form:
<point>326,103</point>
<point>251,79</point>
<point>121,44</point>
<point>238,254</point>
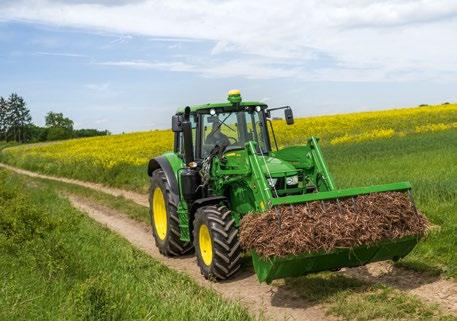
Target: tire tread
<point>226,246</point>
<point>173,246</point>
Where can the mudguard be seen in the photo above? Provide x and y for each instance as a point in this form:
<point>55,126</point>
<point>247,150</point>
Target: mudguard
<point>170,163</point>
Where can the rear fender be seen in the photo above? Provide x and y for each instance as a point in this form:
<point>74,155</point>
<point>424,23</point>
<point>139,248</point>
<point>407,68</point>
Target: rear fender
<point>170,163</point>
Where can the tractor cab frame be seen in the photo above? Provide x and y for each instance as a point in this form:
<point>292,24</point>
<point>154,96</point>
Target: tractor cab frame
<point>236,124</point>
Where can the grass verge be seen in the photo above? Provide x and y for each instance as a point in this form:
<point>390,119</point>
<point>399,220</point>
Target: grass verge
<point>351,299</point>
<point>119,203</point>
<point>4,144</point>
<point>57,264</point>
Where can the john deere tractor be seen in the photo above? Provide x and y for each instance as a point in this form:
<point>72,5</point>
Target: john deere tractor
<point>223,166</point>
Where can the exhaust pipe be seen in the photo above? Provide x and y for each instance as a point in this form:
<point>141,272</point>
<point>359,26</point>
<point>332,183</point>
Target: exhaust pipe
<point>190,177</point>
<point>187,132</point>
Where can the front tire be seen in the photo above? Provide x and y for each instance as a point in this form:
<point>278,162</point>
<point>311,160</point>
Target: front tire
<point>164,217</point>
<point>216,242</point>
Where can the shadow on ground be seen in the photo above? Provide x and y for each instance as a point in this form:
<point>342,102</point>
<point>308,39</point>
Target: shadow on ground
<point>389,274</point>
<point>319,288</point>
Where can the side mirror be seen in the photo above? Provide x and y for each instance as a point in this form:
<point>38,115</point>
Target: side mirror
<point>288,114</point>
<point>176,123</point>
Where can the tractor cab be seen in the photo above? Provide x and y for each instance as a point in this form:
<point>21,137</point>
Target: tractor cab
<point>228,126</point>
<point>225,129</point>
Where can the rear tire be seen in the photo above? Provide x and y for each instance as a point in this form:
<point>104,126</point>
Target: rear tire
<point>216,242</point>
<point>164,217</point>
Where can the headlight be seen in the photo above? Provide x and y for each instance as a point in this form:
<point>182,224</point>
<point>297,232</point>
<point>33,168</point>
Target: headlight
<point>292,180</point>
<point>272,181</point>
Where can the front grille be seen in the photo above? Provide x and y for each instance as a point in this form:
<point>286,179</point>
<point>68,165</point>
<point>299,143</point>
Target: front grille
<point>280,187</point>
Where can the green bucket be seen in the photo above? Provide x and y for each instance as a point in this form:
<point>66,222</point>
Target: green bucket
<point>269,269</point>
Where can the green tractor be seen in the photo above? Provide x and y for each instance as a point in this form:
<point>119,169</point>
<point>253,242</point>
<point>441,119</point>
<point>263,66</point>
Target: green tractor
<point>223,166</point>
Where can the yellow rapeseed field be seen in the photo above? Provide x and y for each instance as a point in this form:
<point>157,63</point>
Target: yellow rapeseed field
<point>106,151</point>
<point>357,127</point>
<point>137,148</point>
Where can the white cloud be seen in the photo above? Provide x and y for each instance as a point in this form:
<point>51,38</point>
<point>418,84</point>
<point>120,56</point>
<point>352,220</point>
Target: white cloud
<point>141,64</point>
<point>250,69</point>
<point>362,39</point>
<point>396,13</point>
<point>60,54</point>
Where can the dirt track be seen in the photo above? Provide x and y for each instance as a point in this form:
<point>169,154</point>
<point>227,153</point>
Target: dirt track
<point>138,198</point>
<point>272,301</point>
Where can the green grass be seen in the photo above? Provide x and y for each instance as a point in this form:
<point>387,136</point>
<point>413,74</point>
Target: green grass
<point>128,207</point>
<point>57,264</point>
<point>131,177</point>
<point>428,161</point>
<point>383,303</point>
<point>4,144</point>
<point>351,299</point>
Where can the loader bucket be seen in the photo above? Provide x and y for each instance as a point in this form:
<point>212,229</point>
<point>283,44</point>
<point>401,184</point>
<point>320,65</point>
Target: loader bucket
<point>270,268</point>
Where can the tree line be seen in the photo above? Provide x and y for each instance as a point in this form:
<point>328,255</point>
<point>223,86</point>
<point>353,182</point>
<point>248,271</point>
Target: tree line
<point>16,124</point>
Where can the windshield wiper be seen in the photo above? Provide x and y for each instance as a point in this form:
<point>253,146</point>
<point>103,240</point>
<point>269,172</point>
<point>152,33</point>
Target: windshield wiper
<point>223,123</point>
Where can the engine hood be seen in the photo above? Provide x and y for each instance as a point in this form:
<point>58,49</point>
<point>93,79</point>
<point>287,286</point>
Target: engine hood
<point>276,167</point>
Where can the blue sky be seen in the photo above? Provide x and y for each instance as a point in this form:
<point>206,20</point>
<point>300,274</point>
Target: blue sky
<point>127,65</point>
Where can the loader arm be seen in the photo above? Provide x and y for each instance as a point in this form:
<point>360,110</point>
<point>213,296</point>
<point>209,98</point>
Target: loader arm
<point>263,192</point>
<point>268,269</point>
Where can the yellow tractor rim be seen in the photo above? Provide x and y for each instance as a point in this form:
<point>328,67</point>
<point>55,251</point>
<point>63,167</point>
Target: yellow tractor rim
<point>206,247</point>
<point>159,213</point>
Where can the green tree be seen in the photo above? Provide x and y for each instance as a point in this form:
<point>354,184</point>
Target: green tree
<point>88,132</point>
<point>17,118</point>
<point>58,120</point>
<point>3,113</point>
<point>37,134</point>
<point>59,127</point>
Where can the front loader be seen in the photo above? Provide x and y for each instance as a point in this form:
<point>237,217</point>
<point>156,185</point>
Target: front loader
<point>223,167</point>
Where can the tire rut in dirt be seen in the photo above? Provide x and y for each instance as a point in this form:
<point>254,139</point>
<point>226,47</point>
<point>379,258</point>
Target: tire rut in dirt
<point>171,245</point>
<point>226,258</point>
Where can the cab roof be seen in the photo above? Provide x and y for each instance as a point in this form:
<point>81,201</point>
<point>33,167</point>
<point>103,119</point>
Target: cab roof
<point>196,108</point>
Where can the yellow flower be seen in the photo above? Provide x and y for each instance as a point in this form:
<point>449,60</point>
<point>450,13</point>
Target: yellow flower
<point>435,127</point>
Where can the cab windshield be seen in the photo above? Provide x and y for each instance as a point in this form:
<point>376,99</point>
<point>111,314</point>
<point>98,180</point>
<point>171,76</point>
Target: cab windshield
<point>233,130</point>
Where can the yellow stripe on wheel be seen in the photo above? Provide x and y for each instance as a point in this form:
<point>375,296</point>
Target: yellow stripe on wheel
<point>206,247</point>
<point>159,213</point>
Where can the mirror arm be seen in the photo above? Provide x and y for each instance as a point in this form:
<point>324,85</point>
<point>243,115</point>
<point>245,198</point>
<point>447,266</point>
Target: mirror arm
<point>277,108</point>
<point>273,133</point>
<point>287,113</point>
